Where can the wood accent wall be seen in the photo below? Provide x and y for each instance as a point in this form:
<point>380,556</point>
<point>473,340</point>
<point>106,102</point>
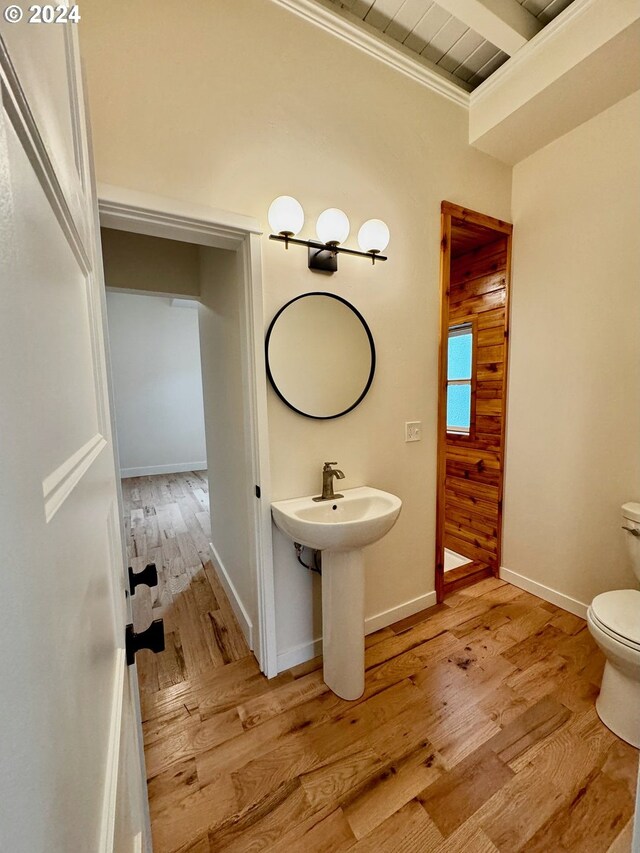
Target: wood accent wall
<point>474,462</point>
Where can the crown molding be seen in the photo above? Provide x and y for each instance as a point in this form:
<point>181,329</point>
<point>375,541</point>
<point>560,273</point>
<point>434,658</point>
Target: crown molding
<point>361,35</point>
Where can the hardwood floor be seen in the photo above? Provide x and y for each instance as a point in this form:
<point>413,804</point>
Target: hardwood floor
<point>167,522</point>
<point>477,731</point>
<point>464,576</point>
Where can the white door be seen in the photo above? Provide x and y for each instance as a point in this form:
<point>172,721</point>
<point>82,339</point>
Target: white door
<point>71,775</point>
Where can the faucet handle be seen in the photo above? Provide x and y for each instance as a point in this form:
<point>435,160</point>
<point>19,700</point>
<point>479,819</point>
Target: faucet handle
<point>327,465</point>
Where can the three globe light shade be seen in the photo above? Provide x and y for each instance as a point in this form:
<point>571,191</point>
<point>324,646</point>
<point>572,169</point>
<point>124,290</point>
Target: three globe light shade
<point>286,218</point>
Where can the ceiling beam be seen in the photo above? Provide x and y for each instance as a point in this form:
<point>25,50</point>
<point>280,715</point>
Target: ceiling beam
<point>584,62</point>
<point>504,23</point>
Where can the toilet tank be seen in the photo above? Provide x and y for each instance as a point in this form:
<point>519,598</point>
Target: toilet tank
<point>631,520</point>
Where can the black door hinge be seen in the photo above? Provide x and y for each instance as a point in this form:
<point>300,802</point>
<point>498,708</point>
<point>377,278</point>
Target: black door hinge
<point>152,638</point>
<point>258,493</point>
<point>148,576</point>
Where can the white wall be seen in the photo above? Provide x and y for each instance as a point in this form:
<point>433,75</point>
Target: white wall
<point>237,125</point>
<point>230,484</point>
<point>157,380</point>
<point>573,426</point>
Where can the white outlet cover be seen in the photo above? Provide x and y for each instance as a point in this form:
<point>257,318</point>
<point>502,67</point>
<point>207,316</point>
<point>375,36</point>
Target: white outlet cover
<point>413,430</point>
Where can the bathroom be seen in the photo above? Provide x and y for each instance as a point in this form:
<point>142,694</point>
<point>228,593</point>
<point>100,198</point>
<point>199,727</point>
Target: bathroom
<point>302,113</point>
<point>387,148</point>
<point>397,162</point>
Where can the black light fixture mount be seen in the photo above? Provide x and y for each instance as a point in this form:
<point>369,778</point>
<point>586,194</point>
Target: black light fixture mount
<point>324,256</point>
<point>286,218</point>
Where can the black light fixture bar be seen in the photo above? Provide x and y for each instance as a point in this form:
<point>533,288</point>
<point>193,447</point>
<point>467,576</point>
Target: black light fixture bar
<point>326,247</point>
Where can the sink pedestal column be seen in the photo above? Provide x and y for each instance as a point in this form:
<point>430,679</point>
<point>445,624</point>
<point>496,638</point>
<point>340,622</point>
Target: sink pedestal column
<point>343,622</point>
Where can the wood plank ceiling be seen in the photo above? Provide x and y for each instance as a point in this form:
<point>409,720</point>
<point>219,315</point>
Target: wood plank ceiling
<point>429,30</point>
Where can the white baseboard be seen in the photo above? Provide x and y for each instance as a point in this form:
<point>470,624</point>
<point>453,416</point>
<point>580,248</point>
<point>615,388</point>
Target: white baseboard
<point>109,805</point>
<point>145,292</point>
<point>402,611</point>
<point>176,468</point>
<point>308,651</point>
<point>246,625</point>
<point>299,654</point>
<point>545,592</point>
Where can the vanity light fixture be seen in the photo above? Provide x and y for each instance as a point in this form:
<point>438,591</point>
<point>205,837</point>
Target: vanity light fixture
<point>286,218</point>
<point>332,227</point>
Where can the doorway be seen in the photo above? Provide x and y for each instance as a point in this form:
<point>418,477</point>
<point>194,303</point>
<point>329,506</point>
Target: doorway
<point>230,322</point>
<point>474,333</point>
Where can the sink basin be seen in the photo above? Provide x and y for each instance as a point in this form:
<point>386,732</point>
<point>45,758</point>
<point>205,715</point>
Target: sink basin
<point>341,528</point>
<point>361,517</point>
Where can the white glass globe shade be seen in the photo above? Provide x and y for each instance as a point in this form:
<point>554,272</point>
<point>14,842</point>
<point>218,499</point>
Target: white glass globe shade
<point>373,236</point>
<point>286,215</point>
<point>332,226</point>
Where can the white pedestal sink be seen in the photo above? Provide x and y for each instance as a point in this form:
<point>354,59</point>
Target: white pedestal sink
<point>340,528</point>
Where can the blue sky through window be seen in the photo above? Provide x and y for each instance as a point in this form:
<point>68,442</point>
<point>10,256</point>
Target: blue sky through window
<point>459,406</point>
<point>459,367</point>
<point>460,356</point>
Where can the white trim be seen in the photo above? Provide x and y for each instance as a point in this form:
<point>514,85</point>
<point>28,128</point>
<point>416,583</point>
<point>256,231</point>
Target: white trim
<point>150,470</point>
<point>137,843</point>
<point>547,35</point>
<point>299,654</point>
<point>401,611</point>
<point>141,213</point>
<point>132,291</point>
<point>257,436</point>
<point>546,78</point>
<point>307,651</point>
<point>185,302</point>
<point>110,801</point>
<point>351,29</point>
<point>157,216</point>
<point>17,110</point>
<point>57,487</point>
<point>246,625</point>
<point>122,615</point>
<point>545,592</point>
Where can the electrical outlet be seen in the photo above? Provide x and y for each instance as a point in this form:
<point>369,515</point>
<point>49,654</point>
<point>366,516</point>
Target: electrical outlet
<point>413,431</point>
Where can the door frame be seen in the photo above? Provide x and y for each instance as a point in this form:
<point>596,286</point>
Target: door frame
<point>473,217</point>
<point>140,213</point>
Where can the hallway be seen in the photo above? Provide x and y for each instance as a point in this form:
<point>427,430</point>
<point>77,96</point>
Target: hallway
<point>167,523</point>
<point>471,709</point>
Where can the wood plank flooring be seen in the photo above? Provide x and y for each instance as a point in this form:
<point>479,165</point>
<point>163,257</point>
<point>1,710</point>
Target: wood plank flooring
<point>167,522</point>
<point>466,575</point>
<point>477,731</point>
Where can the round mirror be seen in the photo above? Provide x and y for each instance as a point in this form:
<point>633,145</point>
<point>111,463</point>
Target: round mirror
<point>320,355</point>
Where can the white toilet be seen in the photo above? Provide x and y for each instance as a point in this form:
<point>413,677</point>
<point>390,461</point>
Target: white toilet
<point>614,623</point>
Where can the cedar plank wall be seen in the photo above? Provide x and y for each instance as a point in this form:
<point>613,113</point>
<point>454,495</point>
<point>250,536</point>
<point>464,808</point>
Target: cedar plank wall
<point>474,463</point>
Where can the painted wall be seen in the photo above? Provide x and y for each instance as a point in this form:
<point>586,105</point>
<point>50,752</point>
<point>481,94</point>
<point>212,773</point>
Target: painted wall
<point>157,381</point>
<point>236,126</point>
<point>228,453</point>
<point>573,426</point>
<point>140,262</point>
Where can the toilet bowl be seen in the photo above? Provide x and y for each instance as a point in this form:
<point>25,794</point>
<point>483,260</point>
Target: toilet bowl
<point>613,619</point>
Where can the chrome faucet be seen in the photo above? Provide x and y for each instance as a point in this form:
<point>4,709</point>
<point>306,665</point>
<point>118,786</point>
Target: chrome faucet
<point>328,473</point>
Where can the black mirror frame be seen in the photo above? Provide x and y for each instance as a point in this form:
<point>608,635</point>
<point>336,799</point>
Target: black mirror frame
<point>371,344</point>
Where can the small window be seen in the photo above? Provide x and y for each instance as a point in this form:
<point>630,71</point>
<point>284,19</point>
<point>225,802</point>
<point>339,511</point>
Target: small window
<point>459,376</point>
